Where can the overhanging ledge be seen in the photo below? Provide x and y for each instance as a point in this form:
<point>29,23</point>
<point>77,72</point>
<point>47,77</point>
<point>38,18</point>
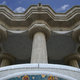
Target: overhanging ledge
<point>66,20</point>
<point>67,72</point>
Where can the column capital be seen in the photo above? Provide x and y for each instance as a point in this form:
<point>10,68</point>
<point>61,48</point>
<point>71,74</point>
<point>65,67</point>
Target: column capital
<point>76,35</point>
<point>3,35</point>
<point>7,56</point>
<point>39,28</point>
<point>72,57</point>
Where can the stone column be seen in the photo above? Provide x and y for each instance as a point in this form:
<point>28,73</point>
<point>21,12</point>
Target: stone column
<point>5,62</point>
<point>72,60</point>
<point>79,38</point>
<point>76,36</point>
<point>74,63</point>
<point>6,59</point>
<point>39,33</point>
<point>3,37</point>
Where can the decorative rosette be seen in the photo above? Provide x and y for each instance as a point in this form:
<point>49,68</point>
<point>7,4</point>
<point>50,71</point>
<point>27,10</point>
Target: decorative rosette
<point>25,77</point>
<point>51,78</point>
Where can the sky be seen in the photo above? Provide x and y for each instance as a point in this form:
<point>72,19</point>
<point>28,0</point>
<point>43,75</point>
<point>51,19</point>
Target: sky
<point>59,6</point>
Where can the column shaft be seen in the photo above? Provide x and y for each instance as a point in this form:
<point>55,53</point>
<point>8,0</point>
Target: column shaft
<point>74,63</point>
<point>5,62</point>
<point>79,37</point>
<point>39,51</point>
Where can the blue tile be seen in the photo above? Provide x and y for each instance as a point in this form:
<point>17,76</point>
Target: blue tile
<point>36,77</point>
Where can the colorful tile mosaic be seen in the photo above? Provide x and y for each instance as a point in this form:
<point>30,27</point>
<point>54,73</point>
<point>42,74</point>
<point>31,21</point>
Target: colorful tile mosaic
<point>36,77</point>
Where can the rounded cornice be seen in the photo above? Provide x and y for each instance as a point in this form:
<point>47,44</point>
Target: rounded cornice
<point>7,56</point>
<point>76,35</point>
<point>44,8</point>
<point>45,13</point>
<point>72,57</point>
<point>39,28</point>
